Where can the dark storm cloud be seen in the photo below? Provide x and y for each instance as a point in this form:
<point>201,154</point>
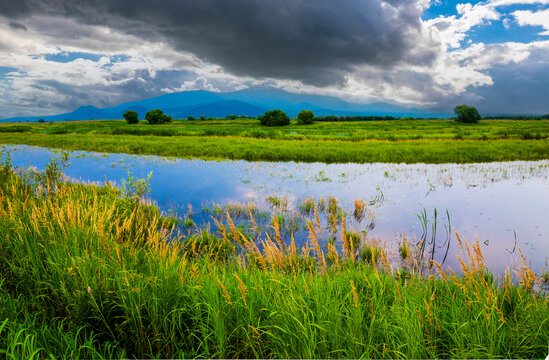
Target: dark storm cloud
<point>316,41</point>
<point>518,88</point>
<point>10,8</point>
<point>16,26</point>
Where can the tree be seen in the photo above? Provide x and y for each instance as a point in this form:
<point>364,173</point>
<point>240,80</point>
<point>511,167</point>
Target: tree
<point>467,114</point>
<point>156,116</point>
<point>131,117</point>
<point>202,117</point>
<point>41,120</point>
<point>305,117</point>
<point>191,118</point>
<point>274,118</point>
<point>232,117</point>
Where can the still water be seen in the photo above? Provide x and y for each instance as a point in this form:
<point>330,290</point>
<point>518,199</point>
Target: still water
<point>501,204</point>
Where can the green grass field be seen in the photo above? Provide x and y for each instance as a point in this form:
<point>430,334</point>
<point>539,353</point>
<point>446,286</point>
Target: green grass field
<point>409,141</point>
<point>86,272</point>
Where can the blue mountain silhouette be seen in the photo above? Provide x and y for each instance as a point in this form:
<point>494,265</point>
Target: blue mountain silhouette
<point>252,102</point>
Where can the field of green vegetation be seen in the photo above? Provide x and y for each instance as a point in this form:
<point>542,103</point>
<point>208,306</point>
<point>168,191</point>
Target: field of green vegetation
<point>93,272</point>
<point>409,141</point>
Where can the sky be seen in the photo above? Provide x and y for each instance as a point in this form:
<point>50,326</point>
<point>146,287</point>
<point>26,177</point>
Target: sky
<point>57,55</point>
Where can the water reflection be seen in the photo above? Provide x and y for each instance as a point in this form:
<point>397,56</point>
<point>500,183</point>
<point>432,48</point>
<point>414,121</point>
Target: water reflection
<point>500,203</point>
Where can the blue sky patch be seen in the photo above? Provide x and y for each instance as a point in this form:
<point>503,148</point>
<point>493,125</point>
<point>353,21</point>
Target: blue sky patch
<point>65,57</point>
<point>445,8</point>
<point>495,32</point>
<point>6,70</point>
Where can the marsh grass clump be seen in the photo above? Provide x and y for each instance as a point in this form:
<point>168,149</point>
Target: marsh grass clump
<point>360,209</point>
<point>307,206</point>
<point>370,254</point>
<point>51,176</point>
<point>136,189</point>
<point>545,278</point>
<point>236,209</point>
<point>208,245</point>
<point>321,204</point>
<point>86,272</point>
<point>277,203</point>
<point>403,275</point>
<point>334,211</point>
<point>353,239</point>
<point>403,250</point>
<point>6,164</point>
<point>169,222</point>
<point>285,222</point>
<point>321,176</point>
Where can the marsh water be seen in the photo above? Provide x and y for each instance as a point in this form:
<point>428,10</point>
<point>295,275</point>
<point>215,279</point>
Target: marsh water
<point>501,204</point>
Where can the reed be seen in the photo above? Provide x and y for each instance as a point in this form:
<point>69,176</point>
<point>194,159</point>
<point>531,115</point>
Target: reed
<point>88,273</point>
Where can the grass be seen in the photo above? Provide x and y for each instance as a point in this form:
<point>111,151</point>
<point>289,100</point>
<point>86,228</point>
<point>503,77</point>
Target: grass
<point>409,141</point>
<point>87,272</point>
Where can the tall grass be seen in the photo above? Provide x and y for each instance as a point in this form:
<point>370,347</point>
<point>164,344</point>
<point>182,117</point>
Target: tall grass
<point>88,273</point>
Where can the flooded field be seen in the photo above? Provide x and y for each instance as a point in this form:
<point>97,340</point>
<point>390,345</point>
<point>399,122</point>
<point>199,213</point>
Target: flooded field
<point>504,205</point>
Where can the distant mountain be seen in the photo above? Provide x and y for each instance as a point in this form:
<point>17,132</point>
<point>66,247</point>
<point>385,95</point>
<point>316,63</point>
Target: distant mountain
<point>252,102</point>
<point>217,109</point>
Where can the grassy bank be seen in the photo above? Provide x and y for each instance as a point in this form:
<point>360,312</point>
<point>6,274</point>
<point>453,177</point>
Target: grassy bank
<point>429,141</point>
<point>87,273</point>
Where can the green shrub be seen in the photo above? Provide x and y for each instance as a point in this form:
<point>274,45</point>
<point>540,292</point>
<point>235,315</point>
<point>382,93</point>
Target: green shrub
<point>274,118</point>
<point>131,117</point>
<point>305,117</point>
<point>467,114</point>
<point>156,116</point>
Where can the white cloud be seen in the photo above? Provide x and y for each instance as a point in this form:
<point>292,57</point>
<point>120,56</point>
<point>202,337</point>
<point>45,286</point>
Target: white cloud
<point>460,64</point>
<point>200,83</point>
<point>42,85</point>
<point>452,30</point>
<point>518,2</point>
<point>539,18</point>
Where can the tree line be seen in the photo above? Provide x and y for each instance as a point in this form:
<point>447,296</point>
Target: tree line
<point>464,113</point>
<point>517,117</point>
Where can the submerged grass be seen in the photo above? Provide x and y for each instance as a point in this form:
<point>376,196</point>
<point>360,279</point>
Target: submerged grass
<point>409,141</point>
<point>88,273</point>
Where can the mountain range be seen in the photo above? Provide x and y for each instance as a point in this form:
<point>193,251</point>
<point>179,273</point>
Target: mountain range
<point>251,102</point>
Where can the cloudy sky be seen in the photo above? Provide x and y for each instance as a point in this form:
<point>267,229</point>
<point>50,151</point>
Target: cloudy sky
<point>56,55</point>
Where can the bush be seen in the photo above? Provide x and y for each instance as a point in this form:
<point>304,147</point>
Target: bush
<point>305,117</point>
<point>156,116</point>
<point>467,114</point>
<point>274,118</point>
<point>131,117</point>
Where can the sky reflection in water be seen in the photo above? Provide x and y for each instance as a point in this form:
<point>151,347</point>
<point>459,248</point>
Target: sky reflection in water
<point>492,201</point>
